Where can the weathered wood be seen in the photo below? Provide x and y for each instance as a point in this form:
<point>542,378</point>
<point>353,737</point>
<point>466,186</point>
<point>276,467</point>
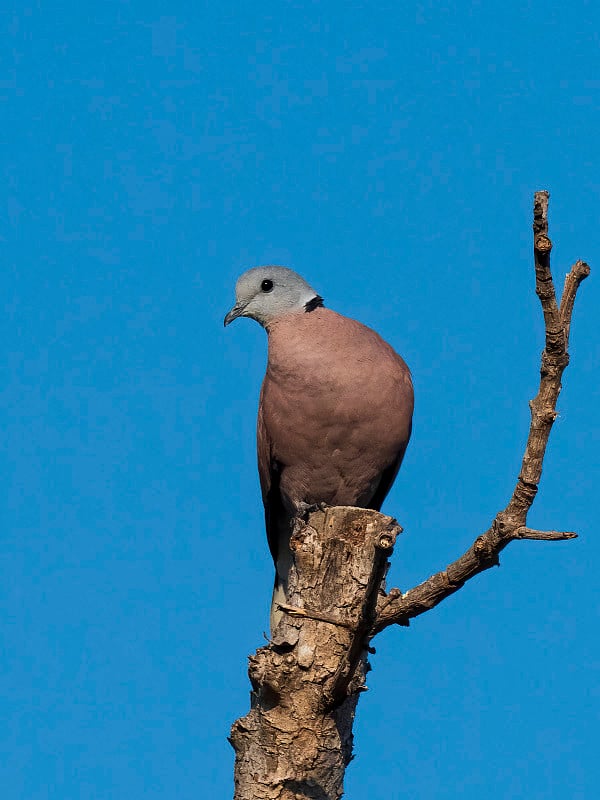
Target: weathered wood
<point>297,738</point>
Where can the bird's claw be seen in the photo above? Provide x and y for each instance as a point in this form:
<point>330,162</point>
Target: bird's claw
<point>304,509</point>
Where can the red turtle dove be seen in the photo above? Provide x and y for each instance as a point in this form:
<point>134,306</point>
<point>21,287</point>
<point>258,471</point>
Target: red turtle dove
<point>335,409</point>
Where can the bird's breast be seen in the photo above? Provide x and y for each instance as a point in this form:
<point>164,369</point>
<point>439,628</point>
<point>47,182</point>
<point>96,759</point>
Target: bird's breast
<point>335,396</point>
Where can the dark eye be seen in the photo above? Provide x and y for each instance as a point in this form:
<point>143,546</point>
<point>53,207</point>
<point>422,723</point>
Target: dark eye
<point>266,285</point>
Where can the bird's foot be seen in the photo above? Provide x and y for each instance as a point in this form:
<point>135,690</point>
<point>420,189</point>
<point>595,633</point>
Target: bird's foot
<point>304,509</point>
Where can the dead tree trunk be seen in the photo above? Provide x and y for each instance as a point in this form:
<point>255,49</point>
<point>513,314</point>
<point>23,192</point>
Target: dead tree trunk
<point>296,740</point>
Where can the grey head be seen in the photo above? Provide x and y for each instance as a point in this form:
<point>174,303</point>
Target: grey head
<point>266,293</point>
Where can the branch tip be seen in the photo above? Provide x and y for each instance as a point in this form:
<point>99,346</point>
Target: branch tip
<point>543,536</point>
<point>509,525</point>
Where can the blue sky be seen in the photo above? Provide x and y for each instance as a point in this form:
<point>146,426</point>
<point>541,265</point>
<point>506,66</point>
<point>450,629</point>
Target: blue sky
<point>389,153</point>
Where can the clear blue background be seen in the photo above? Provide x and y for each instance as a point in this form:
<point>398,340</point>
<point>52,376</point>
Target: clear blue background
<point>389,153</point>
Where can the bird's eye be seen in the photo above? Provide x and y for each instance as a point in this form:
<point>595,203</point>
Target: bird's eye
<point>266,285</point>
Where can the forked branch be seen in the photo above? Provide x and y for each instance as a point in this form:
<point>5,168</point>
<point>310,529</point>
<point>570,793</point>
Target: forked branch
<point>510,524</point>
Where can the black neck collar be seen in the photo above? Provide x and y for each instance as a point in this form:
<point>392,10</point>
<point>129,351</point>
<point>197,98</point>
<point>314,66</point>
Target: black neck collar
<point>315,302</point>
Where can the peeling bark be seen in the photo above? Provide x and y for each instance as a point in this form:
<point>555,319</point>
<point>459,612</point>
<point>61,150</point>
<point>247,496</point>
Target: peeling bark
<point>297,738</point>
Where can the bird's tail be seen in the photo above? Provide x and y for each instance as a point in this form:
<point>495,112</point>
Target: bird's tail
<point>282,569</point>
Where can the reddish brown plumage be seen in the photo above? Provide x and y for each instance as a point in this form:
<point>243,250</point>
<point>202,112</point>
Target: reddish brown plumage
<point>334,418</point>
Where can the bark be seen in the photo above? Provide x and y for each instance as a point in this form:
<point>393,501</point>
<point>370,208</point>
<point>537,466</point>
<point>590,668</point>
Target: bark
<point>296,740</point>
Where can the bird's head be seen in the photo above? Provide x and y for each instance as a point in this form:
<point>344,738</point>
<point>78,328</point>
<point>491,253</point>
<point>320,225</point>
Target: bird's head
<point>266,293</point>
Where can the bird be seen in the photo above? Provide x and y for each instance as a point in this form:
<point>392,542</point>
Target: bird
<point>335,409</point>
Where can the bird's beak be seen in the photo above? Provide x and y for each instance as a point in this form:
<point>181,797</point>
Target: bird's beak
<point>235,312</point>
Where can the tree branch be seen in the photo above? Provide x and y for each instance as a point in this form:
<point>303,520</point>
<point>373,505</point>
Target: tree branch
<point>544,536</point>
<point>578,272</point>
<point>510,524</point>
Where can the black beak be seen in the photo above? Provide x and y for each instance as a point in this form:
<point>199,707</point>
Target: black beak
<point>235,312</point>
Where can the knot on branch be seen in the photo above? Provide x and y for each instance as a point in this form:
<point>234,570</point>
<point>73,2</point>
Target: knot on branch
<point>393,594</point>
<point>542,415</point>
<point>543,244</point>
<point>547,415</point>
<point>485,551</point>
<point>554,361</point>
<point>387,539</point>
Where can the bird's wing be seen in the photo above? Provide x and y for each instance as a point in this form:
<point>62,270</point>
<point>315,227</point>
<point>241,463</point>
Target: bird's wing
<point>388,476</point>
<point>268,472</point>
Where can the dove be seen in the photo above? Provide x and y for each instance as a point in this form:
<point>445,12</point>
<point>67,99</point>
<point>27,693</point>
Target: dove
<point>335,409</point>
